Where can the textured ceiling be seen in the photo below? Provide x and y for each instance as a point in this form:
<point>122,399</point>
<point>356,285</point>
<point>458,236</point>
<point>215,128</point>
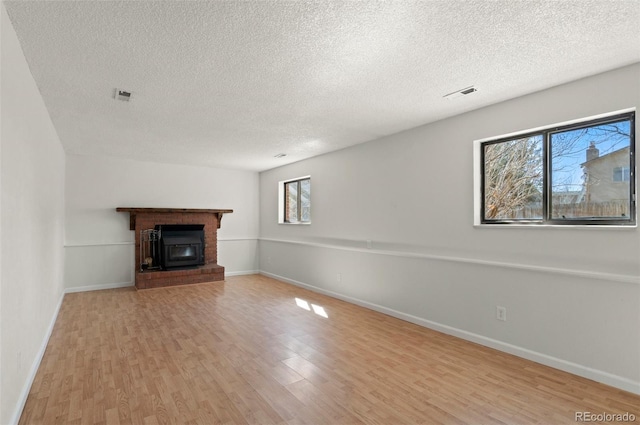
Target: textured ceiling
<point>232,83</point>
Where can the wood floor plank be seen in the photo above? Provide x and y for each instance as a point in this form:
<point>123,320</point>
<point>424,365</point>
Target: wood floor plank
<point>251,350</point>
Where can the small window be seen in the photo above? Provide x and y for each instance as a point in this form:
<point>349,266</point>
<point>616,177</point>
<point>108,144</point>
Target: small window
<point>581,173</point>
<point>621,174</point>
<point>296,201</point>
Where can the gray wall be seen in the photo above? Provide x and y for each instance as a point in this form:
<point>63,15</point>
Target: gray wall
<point>572,294</point>
<point>31,224</point>
<point>99,247</point>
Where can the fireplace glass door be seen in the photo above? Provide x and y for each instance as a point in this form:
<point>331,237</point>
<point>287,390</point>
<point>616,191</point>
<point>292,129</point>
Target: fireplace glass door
<point>181,246</point>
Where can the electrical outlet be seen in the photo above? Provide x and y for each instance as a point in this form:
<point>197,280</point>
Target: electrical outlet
<point>339,277</point>
<point>268,260</point>
<point>368,244</point>
<point>501,313</point>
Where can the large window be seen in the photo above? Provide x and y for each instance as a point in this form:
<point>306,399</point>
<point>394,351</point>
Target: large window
<point>297,201</point>
<point>582,173</point>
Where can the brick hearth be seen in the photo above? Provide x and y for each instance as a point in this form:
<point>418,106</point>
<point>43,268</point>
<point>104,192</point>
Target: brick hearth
<point>148,218</point>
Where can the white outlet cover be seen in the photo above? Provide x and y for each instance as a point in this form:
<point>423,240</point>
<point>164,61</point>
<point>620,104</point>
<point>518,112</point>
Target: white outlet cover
<point>501,313</point>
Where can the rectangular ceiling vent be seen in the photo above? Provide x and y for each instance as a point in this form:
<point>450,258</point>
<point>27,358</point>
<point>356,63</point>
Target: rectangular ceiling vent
<point>123,95</point>
<point>460,93</point>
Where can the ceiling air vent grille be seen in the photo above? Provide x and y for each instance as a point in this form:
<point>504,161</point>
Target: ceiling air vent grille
<point>460,93</point>
<point>123,95</point>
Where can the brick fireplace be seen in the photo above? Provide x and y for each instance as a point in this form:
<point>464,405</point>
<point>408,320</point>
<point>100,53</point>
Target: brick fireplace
<point>148,218</point>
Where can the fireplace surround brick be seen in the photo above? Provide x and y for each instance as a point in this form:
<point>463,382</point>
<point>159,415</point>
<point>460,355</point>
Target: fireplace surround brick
<point>148,218</point>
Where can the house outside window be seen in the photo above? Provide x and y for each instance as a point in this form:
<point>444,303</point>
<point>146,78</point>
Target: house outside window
<point>581,173</point>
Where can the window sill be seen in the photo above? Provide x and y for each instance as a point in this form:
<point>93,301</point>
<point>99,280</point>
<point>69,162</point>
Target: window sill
<point>558,226</point>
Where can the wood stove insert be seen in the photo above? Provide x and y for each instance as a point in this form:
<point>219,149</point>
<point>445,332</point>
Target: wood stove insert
<point>206,270</point>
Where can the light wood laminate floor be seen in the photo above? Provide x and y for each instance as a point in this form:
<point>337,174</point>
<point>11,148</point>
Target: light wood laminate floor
<point>245,351</point>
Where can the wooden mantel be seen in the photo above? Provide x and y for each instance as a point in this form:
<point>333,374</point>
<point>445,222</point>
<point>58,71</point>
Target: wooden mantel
<point>134,211</point>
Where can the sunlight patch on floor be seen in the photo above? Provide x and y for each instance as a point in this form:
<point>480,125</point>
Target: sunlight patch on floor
<point>303,304</point>
<point>319,310</point>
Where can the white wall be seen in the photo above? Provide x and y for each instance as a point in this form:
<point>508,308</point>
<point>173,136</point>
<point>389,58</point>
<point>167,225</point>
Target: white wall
<point>99,246</point>
<point>32,223</point>
<point>572,294</point>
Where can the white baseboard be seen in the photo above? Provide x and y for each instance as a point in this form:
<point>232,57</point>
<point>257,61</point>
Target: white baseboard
<point>554,362</point>
<point>98,287</point>
<point>128,284</point>
<point>242,273</point>
<point>22,399</point>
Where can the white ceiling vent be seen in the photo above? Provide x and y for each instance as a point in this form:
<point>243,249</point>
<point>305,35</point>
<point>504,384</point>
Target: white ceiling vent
<point>123,95</point>
<point>460,93</point>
